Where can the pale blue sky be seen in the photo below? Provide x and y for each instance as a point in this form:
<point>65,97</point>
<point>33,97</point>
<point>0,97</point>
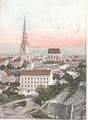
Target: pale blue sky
<point>43,17</point>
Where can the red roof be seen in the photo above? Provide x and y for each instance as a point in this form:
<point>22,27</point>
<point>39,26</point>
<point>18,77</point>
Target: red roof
<point>2,60</point>
<point>2,87</point>
<point>56,62</point>
<point>54,51</point>
<point>9,73</point>
<point>17,59</point>
<point>36,72</point>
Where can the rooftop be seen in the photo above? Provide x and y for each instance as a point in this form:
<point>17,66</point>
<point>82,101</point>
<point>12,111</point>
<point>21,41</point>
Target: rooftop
<point>17,59</point>
<point>36,72</point>
<point>56,62</point>
<point>54,51</point>
<point>9,73</point>
<point>2,60</point>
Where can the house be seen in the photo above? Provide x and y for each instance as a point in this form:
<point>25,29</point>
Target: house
<point>30,79</point>
<point>2,61</point>
<point>54,54</point>
<point>61,64</point>
<point>17,76</point>
<point>73,74</point>
<point>7,77</point>
<point>37,65</point>
<point>17,62</point>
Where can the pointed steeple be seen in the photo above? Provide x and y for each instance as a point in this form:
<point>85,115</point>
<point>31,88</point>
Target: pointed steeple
<point>24,51</point>
<point>24,36</point>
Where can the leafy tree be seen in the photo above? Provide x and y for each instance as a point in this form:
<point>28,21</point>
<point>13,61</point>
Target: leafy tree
<point>40,114</point>
<point>82,74</point>
<point>69,78</point>
<point>4,98</point>
<point>2,67</point>
<point>47,93</point>
<point>9,66</point>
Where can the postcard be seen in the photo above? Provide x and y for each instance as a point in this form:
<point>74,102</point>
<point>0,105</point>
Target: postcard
<point>43,59</point>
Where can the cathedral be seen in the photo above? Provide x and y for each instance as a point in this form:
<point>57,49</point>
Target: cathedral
<point>24,50</point>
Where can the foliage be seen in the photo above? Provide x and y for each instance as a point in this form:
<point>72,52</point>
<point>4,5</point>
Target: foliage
<point>82,75</point>
<point>45,94</point>
<point>74,83</point>
<point>10,95</point>
<point>72,90</point>
<point>2,67</point>
<point>10,91</point>
<point>4,98</point>
<point>40,114</point>
<point>9,66</point>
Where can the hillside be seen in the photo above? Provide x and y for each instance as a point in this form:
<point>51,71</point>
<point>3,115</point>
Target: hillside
<point>76,102</point>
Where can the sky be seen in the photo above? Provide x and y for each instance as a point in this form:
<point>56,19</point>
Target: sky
<point>49,23</point>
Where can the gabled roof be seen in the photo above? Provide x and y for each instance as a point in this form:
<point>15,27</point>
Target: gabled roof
<point>54,51</point>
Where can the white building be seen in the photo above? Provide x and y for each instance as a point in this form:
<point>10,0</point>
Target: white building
<point>73,74</point>
<point>60,64</point>
<point>54,54</point>
<point>30,79</point>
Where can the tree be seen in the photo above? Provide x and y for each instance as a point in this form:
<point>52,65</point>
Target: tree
<point>69,78</point>
<point>5,98</point>
<point>9,66</point>
<point>2,67</point>
<point>40,114</point>
<point>41,94</point>
<point>82,74</point>
<point>47,93</point>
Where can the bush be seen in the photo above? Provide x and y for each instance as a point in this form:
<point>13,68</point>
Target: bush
<point>45,94</point>
<point>4,98</point>
<point>10,91</point>
<point>40,114</point>
<point>11,95</point>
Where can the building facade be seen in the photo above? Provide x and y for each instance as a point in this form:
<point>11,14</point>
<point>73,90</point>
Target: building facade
<point>54,54</point>
<point>7,77</point>
<point>31,79</point>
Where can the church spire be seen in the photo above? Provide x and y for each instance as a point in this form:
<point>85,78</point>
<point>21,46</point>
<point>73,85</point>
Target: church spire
<point>24,51</point>
<point>24,36</point>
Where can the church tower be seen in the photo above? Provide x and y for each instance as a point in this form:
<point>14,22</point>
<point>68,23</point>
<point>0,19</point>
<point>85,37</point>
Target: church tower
<point>24,51</point>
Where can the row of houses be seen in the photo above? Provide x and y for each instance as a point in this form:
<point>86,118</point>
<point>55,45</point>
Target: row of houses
<point>38,72</point>
<point>29,80</point>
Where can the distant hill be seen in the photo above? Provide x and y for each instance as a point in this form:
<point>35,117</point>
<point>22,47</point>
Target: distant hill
<point>14,49</point>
